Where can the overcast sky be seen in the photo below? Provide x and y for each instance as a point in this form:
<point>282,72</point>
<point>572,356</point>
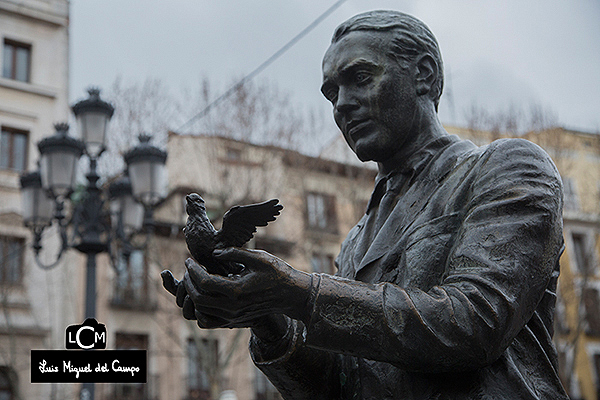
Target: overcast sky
<point>495,52</point>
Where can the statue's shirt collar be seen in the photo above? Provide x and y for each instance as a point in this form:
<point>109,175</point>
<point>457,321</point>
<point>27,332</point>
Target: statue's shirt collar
<point>410,168</point>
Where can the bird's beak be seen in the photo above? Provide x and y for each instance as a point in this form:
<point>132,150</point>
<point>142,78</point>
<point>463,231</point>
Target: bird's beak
<point>194,201</point>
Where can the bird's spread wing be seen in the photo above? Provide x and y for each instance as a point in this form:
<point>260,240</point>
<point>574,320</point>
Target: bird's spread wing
<point>240,222</point>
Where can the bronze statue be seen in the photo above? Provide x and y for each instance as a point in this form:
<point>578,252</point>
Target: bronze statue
<point>445,289</point>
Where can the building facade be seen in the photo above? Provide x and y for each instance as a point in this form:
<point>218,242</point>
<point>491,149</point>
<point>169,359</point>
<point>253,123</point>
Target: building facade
<point>33,96</point>
<point>577,322</point>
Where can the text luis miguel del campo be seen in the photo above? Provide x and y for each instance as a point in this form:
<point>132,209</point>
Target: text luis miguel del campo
<point>96,365</point>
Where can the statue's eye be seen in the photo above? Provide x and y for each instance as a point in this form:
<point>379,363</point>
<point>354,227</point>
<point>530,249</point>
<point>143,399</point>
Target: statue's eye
<point>361,77</point>
<point>331,94</point>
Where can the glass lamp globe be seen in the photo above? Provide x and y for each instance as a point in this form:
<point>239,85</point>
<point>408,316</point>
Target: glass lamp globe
<point>147,171</point>
<point>59,156</point>
<point>37,206</point>
<point>93,115</point>
<point>126,213</point>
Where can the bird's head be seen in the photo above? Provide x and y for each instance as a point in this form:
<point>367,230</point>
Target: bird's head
<point>195,204</point>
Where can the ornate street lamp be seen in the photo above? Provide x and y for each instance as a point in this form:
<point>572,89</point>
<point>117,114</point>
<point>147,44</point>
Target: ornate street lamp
<point>127,215</point>
<point>146,166</point>
<point>92,230</point>
<point>37,206</point>
<point>60,154</point>
<point>92,116</point>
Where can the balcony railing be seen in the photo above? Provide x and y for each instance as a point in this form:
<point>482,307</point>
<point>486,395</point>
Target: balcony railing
<point>135,292</point>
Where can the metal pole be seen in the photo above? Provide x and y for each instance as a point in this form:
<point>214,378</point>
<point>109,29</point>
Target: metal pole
<point>90,245</point>
<point>90,286</point>
<point>88,389</point>
<point>87,392</point>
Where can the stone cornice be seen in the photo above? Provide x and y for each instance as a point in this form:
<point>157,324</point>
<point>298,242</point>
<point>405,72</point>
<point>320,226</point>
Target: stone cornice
<point>37,13</point>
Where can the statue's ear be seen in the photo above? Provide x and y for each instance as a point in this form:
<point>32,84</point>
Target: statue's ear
<point>427,73</point>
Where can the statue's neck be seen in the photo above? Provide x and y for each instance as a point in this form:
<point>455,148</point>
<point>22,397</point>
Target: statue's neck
<point>426,128</point>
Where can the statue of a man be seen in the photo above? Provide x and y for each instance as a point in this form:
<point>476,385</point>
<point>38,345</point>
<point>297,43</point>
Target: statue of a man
<point>445,289</point>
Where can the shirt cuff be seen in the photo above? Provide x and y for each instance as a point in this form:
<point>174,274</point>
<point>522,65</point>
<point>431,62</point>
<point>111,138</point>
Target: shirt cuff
<point>281,350</point>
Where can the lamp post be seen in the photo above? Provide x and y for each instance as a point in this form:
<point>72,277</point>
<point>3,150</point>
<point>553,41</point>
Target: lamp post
<point>132,201</point>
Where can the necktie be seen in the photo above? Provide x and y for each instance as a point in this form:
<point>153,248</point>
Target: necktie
<point>382,203</point>
<point>369,231</point>
<point>386,205</point>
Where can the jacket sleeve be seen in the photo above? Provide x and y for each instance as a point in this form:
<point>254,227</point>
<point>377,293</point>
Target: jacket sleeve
<point>298,371</point>
<point>497,272</point>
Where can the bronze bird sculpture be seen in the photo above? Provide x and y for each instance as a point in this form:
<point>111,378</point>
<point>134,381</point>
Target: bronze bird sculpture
<point>239,226</point>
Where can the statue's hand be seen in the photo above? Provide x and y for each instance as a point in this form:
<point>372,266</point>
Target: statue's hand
<point>266,286</point>
<point>183,300</point>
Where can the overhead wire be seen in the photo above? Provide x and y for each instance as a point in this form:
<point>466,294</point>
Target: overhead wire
<point>262,66</point>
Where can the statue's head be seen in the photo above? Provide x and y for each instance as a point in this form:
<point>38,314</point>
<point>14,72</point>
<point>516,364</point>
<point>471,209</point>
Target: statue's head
<point>411,38</point>
<point>383,75</point>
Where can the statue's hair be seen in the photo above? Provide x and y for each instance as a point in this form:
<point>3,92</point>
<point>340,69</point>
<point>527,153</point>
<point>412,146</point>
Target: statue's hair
<point>411,38</point>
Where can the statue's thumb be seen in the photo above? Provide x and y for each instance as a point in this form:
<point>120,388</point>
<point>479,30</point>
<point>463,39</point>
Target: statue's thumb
<point>169,282</point>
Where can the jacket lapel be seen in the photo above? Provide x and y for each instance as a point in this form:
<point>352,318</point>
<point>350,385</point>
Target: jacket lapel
<point>410,205</point>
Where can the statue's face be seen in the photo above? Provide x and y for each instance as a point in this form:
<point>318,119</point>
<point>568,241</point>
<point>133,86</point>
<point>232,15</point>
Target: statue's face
<point>373,96</point>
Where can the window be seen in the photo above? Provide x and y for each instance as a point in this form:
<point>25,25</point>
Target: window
<point>203,356</point>
<point>16,60</point>
<point>132,282</point>
<point>130,391</point>
<point>561,326</point>
<point>591,303</point>
<point>570,193</point>
<point>233,154</point>
<point>11,260</point>
<point>322,263</point>
<point>8,384</point>
<point>274,245</point>
<point>320,212</point>
<point>565,364</point>
<point>263,388</point>
<point>582,254</point>
<point>13,149</point>
<point>131,341</point>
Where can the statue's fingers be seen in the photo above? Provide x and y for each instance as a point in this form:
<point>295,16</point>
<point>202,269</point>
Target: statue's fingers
<point>249,258</point>
<point>216,308</point>
<point>180,293</point>
<point>169,282</point>
<point>198,279</point>
<point>201,298</point>
<point>188,309</point>
<point>191,288</point>
<point>206,321</point>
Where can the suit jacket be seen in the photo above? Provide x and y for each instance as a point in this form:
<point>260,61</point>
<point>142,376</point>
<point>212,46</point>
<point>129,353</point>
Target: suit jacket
<point>453,298</point>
